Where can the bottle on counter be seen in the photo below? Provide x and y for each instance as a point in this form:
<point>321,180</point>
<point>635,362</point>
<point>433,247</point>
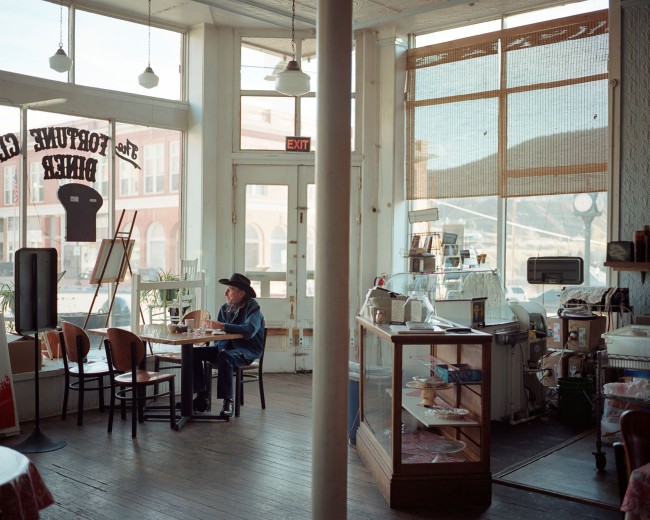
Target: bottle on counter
<point>646,241</point>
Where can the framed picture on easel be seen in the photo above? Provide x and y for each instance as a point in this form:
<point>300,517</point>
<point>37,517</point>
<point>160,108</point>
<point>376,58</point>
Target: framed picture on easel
<point>115,259</point>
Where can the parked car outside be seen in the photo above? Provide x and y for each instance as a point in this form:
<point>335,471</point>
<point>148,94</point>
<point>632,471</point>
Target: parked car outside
<point>549,299</point>
<point>516,293</point>
<point>120,313</point>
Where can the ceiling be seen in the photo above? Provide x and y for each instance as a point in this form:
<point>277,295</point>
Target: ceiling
<point>388,17</point>
<point>399,17</point>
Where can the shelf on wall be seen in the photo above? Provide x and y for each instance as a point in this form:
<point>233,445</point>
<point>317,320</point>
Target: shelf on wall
<point>642,267</point>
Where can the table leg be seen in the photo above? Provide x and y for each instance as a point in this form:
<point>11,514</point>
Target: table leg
<point>187,391</point>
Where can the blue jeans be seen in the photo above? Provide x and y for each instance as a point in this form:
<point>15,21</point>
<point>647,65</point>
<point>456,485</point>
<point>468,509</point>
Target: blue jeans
<point>226,360</point>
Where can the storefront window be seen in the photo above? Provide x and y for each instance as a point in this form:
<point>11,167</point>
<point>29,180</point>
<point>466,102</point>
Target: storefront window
<point>150,157</point>
<point>267,119</point>
<point>103,45</point>
<point>101,40</point>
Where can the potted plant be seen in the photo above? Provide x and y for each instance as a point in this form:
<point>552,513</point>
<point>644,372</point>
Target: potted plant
<point>161,297</point>
<point>8,297</point>
<point>167,295</point>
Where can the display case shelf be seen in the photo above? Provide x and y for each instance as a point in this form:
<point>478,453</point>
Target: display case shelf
<point>412,404</point>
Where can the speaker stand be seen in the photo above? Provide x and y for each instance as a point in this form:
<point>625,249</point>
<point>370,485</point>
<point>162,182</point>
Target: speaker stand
<point>37,442</point>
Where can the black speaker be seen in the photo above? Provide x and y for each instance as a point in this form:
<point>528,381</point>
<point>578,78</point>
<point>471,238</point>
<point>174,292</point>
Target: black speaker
<point>36,289</point>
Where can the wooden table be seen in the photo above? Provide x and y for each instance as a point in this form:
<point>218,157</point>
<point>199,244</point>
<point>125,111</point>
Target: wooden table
<point>160,334</point>
<point>22,490</point>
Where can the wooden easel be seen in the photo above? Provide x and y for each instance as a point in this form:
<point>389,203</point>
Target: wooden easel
<point>124,237</point>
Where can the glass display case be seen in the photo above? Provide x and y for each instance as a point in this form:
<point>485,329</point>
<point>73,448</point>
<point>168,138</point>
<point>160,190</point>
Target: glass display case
<point>425,414</point>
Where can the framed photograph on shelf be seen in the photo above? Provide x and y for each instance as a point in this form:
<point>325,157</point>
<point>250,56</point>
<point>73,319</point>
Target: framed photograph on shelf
<point>428,241</point>
<point>415,243</point>
<point>450,250</point>
<point>449,238</point>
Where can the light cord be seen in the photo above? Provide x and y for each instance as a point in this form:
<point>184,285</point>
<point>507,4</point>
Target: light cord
<point>149,37</point>
<point>293,29</point>
<point>61,24</point>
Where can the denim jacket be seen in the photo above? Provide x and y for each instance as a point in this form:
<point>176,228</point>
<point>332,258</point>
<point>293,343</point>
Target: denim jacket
<point>247,321</point>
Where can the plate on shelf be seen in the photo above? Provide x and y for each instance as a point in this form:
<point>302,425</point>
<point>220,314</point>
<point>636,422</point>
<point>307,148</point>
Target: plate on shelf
<point>450,414</point>
<point>435,384</point>
<point>444,446</point>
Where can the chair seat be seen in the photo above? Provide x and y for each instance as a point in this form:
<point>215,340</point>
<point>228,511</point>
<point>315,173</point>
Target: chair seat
<point>170,357</point>
<point>254,365</point>
<point>143,377</point>
<point>98,368</point>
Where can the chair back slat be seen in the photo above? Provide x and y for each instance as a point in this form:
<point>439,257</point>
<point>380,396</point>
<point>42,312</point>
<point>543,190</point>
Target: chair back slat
<point>122,342</point>
<point>199,316</point>
<point>635,430</point>
<point>71,335</point>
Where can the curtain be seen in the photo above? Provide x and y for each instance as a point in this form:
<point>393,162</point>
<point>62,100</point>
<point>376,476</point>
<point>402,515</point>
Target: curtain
<point>520,112</point>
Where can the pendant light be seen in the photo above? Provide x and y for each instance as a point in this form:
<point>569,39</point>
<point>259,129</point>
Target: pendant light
<point>60,61</point>
<point>292,81</point>
<point>148,78</point>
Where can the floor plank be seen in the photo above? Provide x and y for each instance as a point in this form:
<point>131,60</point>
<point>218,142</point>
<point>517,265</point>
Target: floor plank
<point>258,467</point>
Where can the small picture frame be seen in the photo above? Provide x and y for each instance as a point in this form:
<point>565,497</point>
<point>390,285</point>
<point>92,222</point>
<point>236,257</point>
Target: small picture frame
<point>452,262</point>
<point>415,243</point>
<point>449,238</point>
<point>428,240</point>
<point>450,250</point>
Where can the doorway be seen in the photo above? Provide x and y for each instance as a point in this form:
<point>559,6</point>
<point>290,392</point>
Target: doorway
<point>275,241</point>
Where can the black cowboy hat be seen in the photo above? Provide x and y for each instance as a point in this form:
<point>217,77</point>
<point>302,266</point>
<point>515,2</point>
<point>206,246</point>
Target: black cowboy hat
<point>241,282</point>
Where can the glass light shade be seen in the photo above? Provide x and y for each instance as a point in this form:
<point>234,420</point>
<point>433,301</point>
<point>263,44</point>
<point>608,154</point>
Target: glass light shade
<point>583,203</point>
<point>281,65</point>
<point>148,79</point>
<point>60,61</point>
<point>292,81</point>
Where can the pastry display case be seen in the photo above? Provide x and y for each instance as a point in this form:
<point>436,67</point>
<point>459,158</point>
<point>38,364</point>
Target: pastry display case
<point>425,414</point>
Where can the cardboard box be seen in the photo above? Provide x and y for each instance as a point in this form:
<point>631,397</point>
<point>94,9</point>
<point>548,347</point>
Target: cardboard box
<point>21,354</point>
<point>644,319</point>
<point>585,335</point>
<point>554,365</point>
<point>558,332</point>
<point>575,365</point>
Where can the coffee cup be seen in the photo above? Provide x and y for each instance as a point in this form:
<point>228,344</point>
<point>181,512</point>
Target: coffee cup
<point>190,325</point>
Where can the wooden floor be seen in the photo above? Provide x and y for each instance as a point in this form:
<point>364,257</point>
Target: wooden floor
<point>254,467</point>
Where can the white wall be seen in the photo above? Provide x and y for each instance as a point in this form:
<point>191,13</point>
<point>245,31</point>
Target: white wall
<point>635,128</point>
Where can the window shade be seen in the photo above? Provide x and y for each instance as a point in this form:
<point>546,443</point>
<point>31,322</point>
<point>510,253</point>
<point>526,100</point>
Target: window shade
<point>521,112</point>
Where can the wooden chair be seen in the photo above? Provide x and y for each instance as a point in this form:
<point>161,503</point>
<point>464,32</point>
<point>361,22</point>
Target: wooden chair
<point>75,345</point>
<point>635,432</point>
<point>174,358</point>
<point>246,374</point>
<point>126,354</point>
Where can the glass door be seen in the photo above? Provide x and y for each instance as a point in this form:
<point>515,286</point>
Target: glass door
<point>275,242</point>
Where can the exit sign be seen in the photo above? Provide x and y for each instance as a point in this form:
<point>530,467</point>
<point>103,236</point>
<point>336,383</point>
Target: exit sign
<point>297,144</point>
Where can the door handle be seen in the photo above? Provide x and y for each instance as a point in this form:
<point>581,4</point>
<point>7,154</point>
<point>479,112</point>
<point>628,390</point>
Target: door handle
<point>292,301</point>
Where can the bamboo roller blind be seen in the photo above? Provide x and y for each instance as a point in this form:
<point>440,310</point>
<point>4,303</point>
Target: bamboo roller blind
<point>519,112</point>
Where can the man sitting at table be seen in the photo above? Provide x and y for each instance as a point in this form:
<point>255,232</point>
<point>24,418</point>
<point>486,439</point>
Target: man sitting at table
<point>239,315</point>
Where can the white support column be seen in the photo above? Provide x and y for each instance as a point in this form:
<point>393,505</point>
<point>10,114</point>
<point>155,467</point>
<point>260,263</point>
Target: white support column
<point>331,309</point>
<point>392,212</point>
<point>368,96</point>
<point>207,221</point>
